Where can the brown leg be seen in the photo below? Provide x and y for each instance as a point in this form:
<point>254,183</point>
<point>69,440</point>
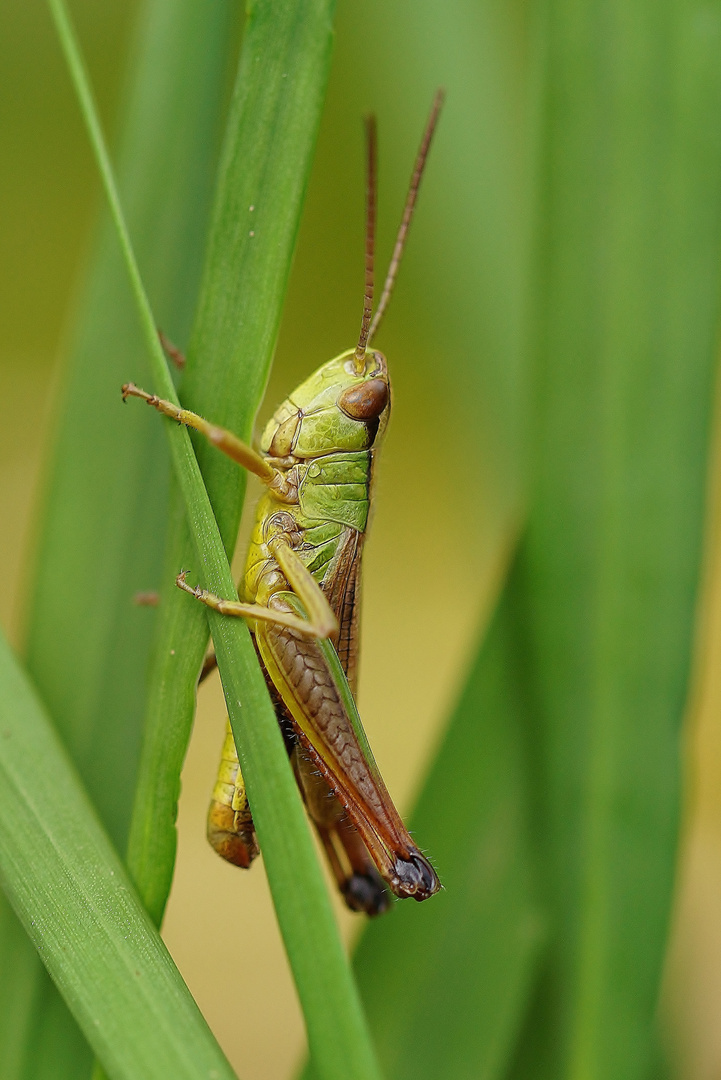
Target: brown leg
<point>321,621</point>
<point>209,665</point>
<point>230,823</point>
<point>225,440</point>
<point>359,882</point>
<point>172,351</point>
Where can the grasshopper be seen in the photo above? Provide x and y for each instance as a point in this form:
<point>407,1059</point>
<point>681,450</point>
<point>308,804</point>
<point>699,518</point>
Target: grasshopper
<point>301,585</point>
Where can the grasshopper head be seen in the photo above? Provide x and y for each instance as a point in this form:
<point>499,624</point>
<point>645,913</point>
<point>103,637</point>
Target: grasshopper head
<point>345,405</point>
<point>336,409</point>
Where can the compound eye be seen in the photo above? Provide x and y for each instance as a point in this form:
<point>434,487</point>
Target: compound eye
<point>366,400</point>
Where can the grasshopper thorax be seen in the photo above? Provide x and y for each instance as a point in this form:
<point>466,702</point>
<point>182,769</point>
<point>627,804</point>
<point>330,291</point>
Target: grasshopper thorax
<point>336,409</point>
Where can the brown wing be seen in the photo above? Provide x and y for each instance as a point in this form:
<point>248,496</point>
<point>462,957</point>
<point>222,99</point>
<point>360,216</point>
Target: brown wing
<point>301,677</point>
<point>342,585</point>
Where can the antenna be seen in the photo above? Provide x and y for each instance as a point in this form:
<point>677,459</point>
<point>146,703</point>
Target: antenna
<point>407,213</point>
<point>371,140</point>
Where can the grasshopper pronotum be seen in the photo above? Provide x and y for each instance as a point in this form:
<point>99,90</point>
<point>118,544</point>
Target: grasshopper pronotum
<point>316,459</point>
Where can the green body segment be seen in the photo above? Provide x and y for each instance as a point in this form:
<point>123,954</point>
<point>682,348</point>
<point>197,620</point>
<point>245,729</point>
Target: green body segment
<point>330,457</point>
<point>333,497</point>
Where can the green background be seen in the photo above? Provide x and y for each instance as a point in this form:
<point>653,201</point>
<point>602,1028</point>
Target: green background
<point>552,343</point>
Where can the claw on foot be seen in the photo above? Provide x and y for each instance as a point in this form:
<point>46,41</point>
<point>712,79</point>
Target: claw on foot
<point>131,390</point>
<point>182,583</point>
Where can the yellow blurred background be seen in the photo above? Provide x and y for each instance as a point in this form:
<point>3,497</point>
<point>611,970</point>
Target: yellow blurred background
<point>430,537</point>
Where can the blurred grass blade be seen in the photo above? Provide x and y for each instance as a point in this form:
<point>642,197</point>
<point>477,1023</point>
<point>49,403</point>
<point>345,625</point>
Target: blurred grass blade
<point>445,987</point>
<point>103,529</point>
<point>628,299</point>
<point>102,526</point>
<point>72,893</point>
<point>334,1019</point>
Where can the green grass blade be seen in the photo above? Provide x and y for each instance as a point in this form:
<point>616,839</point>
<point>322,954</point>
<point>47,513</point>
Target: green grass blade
<point>104,521</point>
<point>76,902</point>
<point>270,138</point>
<point>334,1019</point>
<point>87,106</point>
<point>19,993</point>
<point>445,987</point>
<point>628,298</point>
<point>102,525</point>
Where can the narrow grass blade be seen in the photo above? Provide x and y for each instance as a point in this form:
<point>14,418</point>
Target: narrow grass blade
<point>334,1019</point>
<point>72,893</point>
<point>263,174</point>
<point>102,524</point>
<point>628,298</point>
